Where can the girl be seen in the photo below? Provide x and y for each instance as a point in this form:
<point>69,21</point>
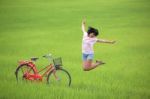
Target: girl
<point>89,39</point>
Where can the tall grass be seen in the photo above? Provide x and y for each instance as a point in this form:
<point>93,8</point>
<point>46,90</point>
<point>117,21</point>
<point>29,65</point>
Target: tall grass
<point>36,27</point>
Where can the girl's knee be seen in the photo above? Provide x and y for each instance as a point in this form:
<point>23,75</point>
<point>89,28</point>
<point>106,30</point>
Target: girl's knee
<point>86,67</point>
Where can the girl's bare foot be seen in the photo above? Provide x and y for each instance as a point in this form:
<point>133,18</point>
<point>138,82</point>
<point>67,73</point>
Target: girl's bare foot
<point>100,62</point>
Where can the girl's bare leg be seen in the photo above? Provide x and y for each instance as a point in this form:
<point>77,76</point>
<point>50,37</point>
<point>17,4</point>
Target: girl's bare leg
<point>89,65</point>
<point>54,73</point>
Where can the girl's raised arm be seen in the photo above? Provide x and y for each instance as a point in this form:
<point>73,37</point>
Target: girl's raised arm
<point>83,26</point>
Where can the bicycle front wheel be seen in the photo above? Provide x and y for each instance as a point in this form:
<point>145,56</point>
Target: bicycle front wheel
<point>59,77</point>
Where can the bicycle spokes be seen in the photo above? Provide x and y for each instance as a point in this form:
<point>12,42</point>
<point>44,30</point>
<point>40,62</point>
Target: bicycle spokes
<point>26,69</point>
<point>59,77</point>
<point>22,72</point>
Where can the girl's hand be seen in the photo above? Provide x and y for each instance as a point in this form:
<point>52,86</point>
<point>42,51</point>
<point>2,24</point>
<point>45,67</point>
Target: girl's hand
<point>83,21</point>
<point>83,26</point>
<point>112,42</point>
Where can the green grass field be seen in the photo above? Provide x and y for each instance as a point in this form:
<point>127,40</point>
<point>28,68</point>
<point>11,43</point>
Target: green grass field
<point>36,27</point>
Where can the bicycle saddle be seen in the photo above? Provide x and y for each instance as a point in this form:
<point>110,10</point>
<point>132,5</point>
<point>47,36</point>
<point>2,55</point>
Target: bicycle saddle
<point>34,59</point>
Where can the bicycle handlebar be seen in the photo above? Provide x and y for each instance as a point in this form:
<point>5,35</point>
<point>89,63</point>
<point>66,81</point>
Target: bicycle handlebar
<point>48,56</point>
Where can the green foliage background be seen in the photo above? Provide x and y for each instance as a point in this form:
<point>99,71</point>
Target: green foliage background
<point>36,27</point>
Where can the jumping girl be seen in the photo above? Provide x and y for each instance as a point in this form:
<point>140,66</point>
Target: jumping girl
<point>89,39</point>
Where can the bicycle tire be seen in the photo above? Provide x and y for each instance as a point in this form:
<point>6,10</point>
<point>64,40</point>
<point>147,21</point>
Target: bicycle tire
<point>68,77</point>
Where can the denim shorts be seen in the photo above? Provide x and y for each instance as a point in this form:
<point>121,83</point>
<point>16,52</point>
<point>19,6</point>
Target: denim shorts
<point>87,56</point>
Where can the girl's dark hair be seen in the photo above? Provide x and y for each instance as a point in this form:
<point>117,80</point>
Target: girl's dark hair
<point>92,30</point>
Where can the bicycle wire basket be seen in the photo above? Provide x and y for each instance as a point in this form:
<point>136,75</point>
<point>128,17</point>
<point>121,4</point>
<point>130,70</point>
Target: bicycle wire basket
<point>57,62</point>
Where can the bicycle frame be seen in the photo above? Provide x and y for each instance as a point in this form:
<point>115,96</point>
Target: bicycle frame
<point>36,75</point>
<point>27,71</point>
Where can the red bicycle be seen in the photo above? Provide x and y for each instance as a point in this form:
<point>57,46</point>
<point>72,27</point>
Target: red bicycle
<point>54,72</point>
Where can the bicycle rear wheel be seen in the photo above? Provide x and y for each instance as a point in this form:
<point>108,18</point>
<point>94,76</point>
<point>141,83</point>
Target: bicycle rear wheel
<point>21,71</point>
<point>61,77</point>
